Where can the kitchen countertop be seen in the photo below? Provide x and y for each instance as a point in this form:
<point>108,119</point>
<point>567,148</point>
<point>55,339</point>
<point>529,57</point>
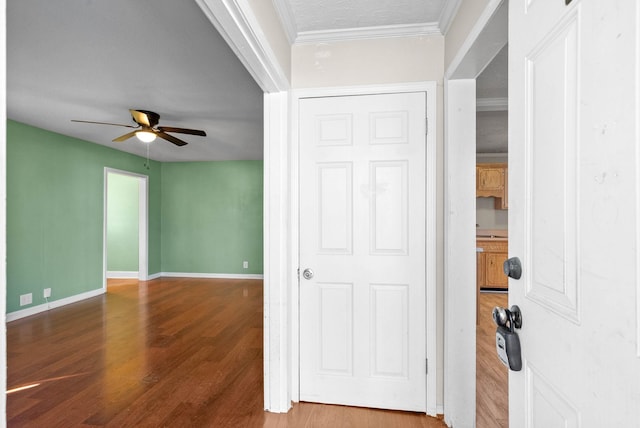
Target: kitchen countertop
<point>492,234</point>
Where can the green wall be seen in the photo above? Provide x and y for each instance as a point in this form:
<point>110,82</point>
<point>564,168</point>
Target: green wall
<point>55,213</point>
<point>204,217</point>
<point>212,217</point>
<point>122,222</point>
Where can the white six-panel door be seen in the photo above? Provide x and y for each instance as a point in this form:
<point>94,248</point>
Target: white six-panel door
<point>573,211</point>
<point>362,237</point>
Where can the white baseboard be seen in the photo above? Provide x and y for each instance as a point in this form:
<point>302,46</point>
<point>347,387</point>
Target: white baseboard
<point>122,274</point>
<point>53,304</point>
<point>211,275</point>
<point>93,293</point>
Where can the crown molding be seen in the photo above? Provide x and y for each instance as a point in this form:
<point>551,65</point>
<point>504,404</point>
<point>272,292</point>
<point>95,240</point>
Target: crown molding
<point>449,11</point>
<point>287,19</point>
<point>237,24</point>
<point>492,104</point>
<point>406,30</point>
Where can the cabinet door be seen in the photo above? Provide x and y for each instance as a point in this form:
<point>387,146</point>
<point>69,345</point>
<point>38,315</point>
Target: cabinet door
<point>494,275</point>
<point>490,179</point>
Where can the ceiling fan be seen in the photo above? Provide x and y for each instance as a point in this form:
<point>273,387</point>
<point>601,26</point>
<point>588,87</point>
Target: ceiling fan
<point>147,129</point>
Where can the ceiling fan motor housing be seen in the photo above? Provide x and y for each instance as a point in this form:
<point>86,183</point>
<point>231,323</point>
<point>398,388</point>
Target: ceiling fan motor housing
<point>152,118</point>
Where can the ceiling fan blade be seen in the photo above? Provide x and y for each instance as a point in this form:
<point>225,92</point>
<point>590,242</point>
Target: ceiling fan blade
<point>182,130</point>
<point>104,123</point>
<point>124,137</point>
<point>145,117</point>
<point>171,138</point>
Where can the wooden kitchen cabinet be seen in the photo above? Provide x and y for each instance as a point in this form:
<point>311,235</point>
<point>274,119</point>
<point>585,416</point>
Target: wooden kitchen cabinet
<point>491,181</point>
<point>490,259</point>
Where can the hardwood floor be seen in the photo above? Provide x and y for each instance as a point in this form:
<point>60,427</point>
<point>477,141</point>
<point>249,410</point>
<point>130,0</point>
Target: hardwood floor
<point>492,401</point>
<point>168,352</point>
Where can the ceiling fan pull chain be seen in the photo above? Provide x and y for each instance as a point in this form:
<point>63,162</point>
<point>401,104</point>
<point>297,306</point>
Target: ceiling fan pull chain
<point>146,164</point>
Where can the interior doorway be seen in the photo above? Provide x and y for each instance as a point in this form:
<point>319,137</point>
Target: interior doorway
<point>492,238</point>
<point>125,243</point>
<point>462,312</point>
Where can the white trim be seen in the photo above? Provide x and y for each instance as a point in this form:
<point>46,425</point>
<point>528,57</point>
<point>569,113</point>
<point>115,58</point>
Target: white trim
<point>287,18</point>
<point>492,104</point>
<point>154,276</point>
<point>432,249</point>
<point>458,64</point>
<point>382,31</point>
<point>236,23</point>
<point>459,255</point>
<point>208,275</point>
<point>341,91</point>
<point>278,283</point>
<point>122,274</point>
<point>143,227</point>
<point>449,12</point>
<point>430,88</point>
<point>54,304</point>
<point>637,179</point>
<point>143,223</point>
<point>89,294</point>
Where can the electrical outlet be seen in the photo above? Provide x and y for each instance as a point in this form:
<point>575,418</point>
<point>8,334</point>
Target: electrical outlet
<point>47,292</point>
<point>26,299</point>
<point>245,265</point>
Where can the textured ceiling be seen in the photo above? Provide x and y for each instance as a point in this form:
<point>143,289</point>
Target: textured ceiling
<point>344,14</point>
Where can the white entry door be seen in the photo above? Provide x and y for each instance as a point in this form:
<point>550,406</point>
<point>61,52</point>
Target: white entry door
<point>573,212</point>
<point>362,244</point>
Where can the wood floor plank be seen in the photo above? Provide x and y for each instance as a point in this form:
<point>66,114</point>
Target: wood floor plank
<point>492,400</point>
<point>169,352</point>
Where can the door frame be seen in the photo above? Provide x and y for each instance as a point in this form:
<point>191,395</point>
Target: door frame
<point>143,220</point>
<point>430,90</point>
<point>483,42</point>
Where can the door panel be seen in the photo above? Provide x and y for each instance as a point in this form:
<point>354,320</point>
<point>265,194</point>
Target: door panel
<point>573,167</point>
<point>362,232</point>
<point>551,158</point>
<point>335,202</point>
<point>389,208</point>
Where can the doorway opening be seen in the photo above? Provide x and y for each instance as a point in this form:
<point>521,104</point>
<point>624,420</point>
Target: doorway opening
<point>485,42</point>
<point>492,210</point>
<point>125,243</point>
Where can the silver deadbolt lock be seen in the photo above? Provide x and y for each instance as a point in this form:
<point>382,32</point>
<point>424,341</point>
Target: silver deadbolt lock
<point>307,273</point>
<point>507,340</point>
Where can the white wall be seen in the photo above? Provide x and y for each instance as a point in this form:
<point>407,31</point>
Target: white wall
<point>487,217</point>
<point>368,62</point>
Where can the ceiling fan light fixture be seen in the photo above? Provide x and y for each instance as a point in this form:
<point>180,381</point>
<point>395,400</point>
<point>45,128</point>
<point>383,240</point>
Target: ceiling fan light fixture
<point>146,136</point>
